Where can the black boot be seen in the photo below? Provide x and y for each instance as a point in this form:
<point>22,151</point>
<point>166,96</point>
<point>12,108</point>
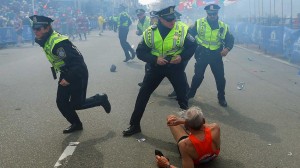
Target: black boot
<point>103,101</point>
<point>223,102</point>
<point>133,129</point>
<point>126,59</point>
<point>132,55</point>
<point>73,128</point>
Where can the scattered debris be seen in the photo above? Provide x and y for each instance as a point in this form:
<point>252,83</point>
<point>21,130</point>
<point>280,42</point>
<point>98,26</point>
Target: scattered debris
<point>250,59</point>
<point>18,108</point>
<point>132,46</point>
<point>290,154</point>
<point>240,85</point>
<point>269,144</point>
<point>151,102</point>
<point>141,140</point>
<point>113,68</point>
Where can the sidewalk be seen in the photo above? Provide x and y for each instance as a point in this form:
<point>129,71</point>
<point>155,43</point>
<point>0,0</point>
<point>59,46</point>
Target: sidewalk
<point>278,58</point>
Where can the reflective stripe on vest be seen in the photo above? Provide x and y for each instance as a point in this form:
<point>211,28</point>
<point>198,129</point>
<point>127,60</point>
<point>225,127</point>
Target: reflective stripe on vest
<point>146,24</point>
<point>211,39</point>
<point>173,43</point>
<point>124,14</point>
<point>56,61</point>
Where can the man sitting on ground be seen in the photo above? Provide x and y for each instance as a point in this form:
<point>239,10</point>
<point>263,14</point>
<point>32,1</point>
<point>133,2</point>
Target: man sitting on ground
<point>198,142</point>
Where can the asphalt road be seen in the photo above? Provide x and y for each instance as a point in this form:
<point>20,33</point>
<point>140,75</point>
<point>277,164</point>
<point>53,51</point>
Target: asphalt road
<point>260,127</point>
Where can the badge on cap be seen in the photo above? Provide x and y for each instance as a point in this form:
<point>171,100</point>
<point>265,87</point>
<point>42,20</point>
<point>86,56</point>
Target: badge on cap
<point>34,19</point>
<point>171,10</point>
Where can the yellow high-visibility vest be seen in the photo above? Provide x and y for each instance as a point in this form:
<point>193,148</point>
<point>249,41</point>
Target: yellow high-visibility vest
<point>208,38</point>
<point>56,61</point>
<point>146,24</point>
<point>173,43</point>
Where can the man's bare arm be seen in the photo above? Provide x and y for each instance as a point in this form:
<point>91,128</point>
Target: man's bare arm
<point>187,161</point>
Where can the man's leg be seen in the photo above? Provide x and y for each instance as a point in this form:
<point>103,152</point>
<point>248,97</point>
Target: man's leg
<point>200,66</point>
<point>147,68</point>
<point>66,109</point>
<point>128,46</point>
<point>79,101</point>
<point>217,68</point>
<point>151,81</point>
<point>123,37</point>
<point>178,79</point>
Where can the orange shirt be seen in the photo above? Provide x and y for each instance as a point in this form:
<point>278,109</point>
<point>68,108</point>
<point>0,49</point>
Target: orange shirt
<point>204,147</point>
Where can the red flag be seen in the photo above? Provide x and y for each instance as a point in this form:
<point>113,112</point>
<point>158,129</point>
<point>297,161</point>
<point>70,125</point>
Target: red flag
<point>181,6</point>
<point>200,3</point>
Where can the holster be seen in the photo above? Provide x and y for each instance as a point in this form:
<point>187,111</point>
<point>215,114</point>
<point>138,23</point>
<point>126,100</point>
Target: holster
<point>53,73</point>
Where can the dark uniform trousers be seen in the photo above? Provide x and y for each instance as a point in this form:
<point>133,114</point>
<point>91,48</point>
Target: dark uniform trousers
<point>123,32</point>
<point>73,97</point>
<point>152,79</point>
<point>206,57</point>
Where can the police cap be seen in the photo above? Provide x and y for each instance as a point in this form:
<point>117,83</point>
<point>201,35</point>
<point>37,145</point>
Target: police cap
<point>167,13</point>
<point>40,21</point>
<point>212,8</point>
<point>178,15</point>
<point>140,11</point>
<point>153,14</point>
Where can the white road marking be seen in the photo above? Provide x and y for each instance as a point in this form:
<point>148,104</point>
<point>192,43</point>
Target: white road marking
<point>65,156</point>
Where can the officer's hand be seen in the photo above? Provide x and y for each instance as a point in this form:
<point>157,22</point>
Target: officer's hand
<point>224,52</point>
<point>177,60</point>
<point>63,82</point>
<point>161,61</point>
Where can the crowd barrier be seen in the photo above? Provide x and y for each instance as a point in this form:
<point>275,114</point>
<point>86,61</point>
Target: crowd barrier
<point>8,34</point>
<point>277,40</point>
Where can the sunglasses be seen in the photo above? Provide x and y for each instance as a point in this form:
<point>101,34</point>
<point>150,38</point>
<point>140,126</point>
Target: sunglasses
<point>212,14</point>
<point>37,29</point>
<point>170,20</point>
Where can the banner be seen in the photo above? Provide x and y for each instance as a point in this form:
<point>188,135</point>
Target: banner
<point>8,35</point>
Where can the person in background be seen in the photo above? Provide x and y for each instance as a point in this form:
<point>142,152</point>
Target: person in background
<point>123,24</point>
<point>214,42</point>
<point>18,25</point>
<point>198,142</point>
<point>100,23</point>
<point>73,81</point>
<point>143,22</point>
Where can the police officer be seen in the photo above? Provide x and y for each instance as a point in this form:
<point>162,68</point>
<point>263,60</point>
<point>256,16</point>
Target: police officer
<point>143,23</point>
<point>66,59</point>
<point>123,24</point>
<point>214,42</point>
<point>172,46</point>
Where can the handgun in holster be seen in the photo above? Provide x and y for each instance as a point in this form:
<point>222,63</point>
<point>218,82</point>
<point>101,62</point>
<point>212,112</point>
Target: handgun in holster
<point>53,73</point>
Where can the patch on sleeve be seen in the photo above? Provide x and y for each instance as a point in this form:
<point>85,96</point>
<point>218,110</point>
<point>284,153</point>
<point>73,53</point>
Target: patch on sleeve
<point>190,37</point>
<point>61,52</point>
